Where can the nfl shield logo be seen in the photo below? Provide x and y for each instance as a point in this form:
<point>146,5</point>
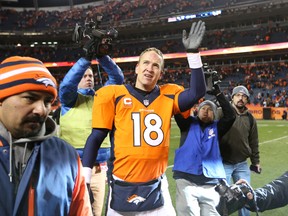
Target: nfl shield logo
<point>146,102</point>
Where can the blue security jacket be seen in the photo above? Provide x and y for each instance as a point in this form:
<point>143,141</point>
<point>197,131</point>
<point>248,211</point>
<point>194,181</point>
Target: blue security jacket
<point>53,166</point>
<point>200,152</point>
<point>69,92</point>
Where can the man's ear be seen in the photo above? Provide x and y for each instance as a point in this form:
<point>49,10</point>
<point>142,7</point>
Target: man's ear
<point>136,68</point>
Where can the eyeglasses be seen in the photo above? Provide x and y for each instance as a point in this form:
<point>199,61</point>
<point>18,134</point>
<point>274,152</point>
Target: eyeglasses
<point>241,95</point>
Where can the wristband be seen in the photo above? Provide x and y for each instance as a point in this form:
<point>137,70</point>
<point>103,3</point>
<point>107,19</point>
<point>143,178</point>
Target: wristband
<point>87,172</point>
<point>194,60</point>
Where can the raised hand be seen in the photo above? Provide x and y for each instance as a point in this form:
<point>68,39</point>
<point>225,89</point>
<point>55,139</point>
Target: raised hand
<point>90,48</point>
<point>196,34</point>
<point>215,90</point>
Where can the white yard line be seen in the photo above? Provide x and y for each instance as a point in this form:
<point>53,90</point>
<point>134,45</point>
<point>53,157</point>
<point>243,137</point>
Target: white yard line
<point>268,141</point>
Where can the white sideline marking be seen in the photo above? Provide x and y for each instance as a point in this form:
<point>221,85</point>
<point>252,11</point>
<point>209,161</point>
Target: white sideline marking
<point>273,140</point>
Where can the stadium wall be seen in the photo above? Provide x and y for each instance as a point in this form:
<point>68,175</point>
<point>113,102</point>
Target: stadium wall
<point>273,113</point>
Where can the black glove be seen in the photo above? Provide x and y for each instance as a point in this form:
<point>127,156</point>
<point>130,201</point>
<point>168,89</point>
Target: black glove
<point>90,194</point>
<point>215,90</point>
<point>94,48</point>
<point>90,49</point>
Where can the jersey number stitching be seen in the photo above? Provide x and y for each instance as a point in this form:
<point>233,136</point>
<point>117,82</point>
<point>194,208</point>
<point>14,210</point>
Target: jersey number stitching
<point>153,124</point>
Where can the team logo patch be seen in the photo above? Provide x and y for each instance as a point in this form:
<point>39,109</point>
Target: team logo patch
<point>135,199</point>
<point>146,102</point>
<point>211,133</point>
<point>46,82</point>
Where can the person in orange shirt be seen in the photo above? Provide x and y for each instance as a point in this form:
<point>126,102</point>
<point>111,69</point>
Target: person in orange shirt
<point>139,118</point>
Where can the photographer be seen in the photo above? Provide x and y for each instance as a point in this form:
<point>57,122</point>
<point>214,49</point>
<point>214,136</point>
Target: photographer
<point>76,95</point>
<point>272,195</point>
<point>198,163</point>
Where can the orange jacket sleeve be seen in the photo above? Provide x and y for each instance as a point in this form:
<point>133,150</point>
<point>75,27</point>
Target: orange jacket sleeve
<point>80,205</point>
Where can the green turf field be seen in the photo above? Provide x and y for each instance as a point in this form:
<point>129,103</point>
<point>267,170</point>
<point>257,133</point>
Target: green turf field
<point>273,138</point>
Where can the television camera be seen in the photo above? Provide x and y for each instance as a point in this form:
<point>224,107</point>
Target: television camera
<point>232,197</point>
<point>100,41</point>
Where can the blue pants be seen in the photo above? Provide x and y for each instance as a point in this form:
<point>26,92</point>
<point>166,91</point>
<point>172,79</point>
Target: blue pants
<point>238,171</point>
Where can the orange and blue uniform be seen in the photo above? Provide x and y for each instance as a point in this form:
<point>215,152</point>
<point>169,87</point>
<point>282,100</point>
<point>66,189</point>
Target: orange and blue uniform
<point>140,126</point>
<point>140,153</point>
<point>140,133</point>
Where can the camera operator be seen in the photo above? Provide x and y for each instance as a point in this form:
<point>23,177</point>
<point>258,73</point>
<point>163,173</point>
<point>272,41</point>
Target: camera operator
<point>198,163</point>
<point>271,196</point>
<point>76,95</point>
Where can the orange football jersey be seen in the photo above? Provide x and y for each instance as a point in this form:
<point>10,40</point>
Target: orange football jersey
<point>141,126</point>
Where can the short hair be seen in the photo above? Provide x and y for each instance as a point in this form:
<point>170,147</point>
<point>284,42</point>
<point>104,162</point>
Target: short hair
<point>154,49</point>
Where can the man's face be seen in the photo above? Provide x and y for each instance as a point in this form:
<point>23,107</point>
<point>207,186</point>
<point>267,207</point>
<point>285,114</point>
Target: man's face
<point>239,100</point>
<point>148,70</point>
<point>24,114</point>
<point>87,80</point>
<point>205,114</point>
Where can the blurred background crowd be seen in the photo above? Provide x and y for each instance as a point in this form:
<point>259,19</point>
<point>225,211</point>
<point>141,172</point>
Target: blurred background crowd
<point>44,29</point>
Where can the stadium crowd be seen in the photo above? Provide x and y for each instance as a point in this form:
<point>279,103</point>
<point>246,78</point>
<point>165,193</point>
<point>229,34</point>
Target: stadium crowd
<point>261,83</point>
<point>53,23</point>
<point>112,11</point>
<point>267,82</point>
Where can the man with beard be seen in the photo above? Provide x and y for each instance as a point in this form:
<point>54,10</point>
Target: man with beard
<point>240,142</point>
<point>40,173</point>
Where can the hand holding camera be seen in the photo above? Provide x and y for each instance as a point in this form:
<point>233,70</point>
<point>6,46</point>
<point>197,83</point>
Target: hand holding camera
<point>212,78</point>
<point>256,168</point>
<point>233,197</point>
<point>215,90</point>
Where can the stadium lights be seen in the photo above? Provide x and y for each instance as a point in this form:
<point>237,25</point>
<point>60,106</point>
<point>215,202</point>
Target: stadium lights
<point>192,16</point>
<point>223,51</point>
<point>7,33</point>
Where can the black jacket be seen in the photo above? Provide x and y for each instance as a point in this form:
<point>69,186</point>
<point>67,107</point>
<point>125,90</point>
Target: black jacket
<point>272,195</point>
